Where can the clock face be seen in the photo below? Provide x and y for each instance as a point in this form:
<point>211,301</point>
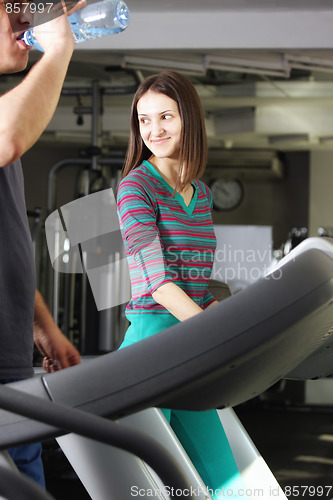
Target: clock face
<point>227,193</point>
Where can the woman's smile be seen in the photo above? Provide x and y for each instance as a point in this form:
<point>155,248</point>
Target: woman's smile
<point>160,141</point>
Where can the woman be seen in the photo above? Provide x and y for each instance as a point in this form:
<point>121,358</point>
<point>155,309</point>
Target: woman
<point>166,222</point>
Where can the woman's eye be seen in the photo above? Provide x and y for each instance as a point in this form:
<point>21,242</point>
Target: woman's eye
<point>143,120</point>
<point>166,117</point>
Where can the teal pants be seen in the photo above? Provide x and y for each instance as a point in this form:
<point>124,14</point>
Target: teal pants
<point>200,433</point>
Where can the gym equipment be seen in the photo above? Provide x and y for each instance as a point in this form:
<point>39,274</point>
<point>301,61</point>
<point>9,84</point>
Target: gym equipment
<point>223,357</point>
<point>68,295</point>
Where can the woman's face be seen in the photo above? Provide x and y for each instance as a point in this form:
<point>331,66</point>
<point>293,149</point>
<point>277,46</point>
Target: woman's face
<point>160,124</point>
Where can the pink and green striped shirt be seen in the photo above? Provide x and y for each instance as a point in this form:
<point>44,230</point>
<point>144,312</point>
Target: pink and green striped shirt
<point>165,240</point>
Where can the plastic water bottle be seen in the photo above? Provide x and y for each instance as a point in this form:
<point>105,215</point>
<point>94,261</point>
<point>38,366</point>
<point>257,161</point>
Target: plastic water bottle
<point>95,20</point>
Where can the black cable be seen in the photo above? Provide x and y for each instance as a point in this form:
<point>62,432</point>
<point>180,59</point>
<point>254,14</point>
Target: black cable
<point>16,486</point>
<point>99,429</point>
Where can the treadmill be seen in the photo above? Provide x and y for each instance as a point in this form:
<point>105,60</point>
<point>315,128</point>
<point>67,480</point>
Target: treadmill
<point>279,327</point>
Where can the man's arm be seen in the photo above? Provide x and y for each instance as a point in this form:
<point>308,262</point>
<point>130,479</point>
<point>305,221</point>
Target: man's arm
<point>52,343</point>
<point>26,110</point>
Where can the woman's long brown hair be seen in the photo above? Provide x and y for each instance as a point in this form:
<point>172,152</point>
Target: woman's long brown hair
<point>193,151</point>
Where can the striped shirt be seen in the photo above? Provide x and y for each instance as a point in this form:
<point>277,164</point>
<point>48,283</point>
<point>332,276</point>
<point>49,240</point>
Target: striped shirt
<point>165,240</point>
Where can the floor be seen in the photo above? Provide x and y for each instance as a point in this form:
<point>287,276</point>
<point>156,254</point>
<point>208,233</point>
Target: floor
<point>296,442</point>
<point>297,445</point>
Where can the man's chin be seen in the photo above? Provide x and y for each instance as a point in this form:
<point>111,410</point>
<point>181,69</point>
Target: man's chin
<point>18,67</point>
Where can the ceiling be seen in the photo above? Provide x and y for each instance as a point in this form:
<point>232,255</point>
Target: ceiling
<point>246,105</point>
<point>231,5</point>
<point>258,92</point>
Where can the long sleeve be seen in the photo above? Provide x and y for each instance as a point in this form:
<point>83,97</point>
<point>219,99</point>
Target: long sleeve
<point>140,233</point>
<point>165,240</point>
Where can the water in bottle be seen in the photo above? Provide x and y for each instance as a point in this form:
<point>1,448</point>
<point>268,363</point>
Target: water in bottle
<point>95,20</point>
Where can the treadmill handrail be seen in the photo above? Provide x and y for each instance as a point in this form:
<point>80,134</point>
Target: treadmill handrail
<point>99,429</point>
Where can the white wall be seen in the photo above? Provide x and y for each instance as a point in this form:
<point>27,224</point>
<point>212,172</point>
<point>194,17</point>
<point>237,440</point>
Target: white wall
<point>212,27</point>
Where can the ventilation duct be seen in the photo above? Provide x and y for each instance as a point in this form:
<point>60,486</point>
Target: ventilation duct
<point>245,164</point>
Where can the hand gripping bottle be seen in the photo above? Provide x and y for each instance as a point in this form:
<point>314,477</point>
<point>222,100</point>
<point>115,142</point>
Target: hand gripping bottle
<point>95,20</point>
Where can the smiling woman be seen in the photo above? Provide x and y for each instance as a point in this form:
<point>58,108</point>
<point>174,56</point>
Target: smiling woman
<point>160,126</point>
<point>180,103</point>
<point>166,222</point>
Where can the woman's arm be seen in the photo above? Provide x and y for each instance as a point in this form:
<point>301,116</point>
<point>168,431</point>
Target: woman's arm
<point>176,301</point>
<point>212,304</point>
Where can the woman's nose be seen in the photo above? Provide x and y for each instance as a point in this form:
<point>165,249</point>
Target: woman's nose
<point>156,128</point>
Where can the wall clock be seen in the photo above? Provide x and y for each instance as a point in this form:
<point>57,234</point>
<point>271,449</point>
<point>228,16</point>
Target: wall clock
<point>227,193</point>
